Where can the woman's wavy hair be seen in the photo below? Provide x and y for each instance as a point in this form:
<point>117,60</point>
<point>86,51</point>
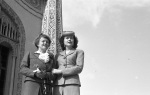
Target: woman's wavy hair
<point>36,41</point>
<point>61,41</point>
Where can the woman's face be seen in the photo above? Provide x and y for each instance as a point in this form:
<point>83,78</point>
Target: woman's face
<point>69,41</point>
<point>43,43</point>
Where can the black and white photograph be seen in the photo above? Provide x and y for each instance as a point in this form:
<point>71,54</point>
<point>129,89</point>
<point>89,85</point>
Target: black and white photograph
<point>74,47</point>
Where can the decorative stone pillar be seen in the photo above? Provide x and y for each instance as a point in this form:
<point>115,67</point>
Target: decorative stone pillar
<point>52,23</point>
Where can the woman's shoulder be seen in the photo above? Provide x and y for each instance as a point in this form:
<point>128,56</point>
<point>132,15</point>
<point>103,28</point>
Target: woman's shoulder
<point>79,50</point>
<point>30,54</point>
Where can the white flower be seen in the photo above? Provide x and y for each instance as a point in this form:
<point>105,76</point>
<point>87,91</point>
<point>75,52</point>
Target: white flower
<point>44,57</point>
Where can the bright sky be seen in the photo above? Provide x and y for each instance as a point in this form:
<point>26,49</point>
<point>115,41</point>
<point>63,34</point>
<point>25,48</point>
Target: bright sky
<point>115,35</point>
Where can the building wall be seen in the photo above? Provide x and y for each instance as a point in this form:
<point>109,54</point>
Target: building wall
<point>30,13</point>
<point>32,27</point>
<point>31,23</point>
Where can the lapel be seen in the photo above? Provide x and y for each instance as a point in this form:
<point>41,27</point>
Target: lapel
<point>36,56</point>
<point>71,52</point>
<point>63,53</point>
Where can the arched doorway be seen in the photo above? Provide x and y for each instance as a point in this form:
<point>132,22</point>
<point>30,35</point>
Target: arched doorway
<point>12,47</point>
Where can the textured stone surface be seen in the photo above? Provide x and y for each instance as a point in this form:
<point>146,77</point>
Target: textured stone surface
<point>52,23</point>
<point>35,7</point>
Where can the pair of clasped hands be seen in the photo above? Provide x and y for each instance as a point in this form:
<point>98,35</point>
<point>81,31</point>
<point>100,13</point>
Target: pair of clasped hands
<point>42,73</point>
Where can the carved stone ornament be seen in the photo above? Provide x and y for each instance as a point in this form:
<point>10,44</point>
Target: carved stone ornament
<point>52,23</point>
<point>35,7</point>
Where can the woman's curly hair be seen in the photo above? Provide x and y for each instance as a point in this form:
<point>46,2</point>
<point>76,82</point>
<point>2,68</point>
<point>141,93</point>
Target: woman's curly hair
<point>36,41</point>
<point>61,41</point>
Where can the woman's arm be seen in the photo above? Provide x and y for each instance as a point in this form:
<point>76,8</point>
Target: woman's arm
<point>25,64</point>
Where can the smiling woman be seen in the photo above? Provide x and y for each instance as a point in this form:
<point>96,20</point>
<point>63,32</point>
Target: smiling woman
<point>37,66</point>
<point>70,64</point>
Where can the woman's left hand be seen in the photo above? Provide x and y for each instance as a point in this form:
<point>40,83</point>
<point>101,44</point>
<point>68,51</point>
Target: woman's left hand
<point>56,71</point>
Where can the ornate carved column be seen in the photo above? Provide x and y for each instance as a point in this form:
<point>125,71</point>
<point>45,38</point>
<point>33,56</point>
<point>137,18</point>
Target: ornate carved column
<point>52,23</point>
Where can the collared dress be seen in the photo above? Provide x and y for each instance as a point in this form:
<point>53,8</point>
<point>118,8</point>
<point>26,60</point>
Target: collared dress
<point>32,84</point>
<point>71,64</point>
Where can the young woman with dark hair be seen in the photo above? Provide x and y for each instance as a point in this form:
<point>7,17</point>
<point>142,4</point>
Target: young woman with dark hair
<point>69,64</point>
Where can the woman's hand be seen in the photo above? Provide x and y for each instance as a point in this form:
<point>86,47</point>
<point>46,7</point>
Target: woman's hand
<point>37,70</point>
<point>56,71</point>
<point>40,74</point>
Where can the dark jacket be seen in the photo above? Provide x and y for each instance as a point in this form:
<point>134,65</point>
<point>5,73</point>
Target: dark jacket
<point>30,63</point>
